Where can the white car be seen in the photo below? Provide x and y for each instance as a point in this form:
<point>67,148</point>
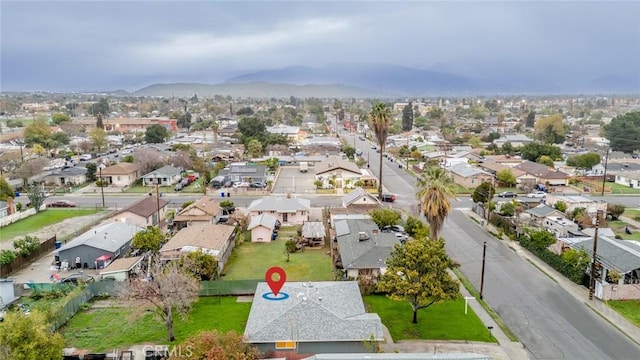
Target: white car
<point>537,194</point>
<point>241,185</point>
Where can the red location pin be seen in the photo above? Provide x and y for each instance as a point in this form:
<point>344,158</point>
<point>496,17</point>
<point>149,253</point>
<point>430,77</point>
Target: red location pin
<point>275,285</point>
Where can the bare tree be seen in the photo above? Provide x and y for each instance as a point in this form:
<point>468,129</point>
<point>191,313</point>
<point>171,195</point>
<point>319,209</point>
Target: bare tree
<point>31,168</point>
<point>147,159</point>
<point>240,220</point>
<point>182,159</point>
<point>169,288</point>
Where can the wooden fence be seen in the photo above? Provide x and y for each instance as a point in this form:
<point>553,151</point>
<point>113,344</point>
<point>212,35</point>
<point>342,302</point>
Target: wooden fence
<point>21,262</point>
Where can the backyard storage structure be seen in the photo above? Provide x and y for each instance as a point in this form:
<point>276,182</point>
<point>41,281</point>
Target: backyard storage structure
<point>112,239</point>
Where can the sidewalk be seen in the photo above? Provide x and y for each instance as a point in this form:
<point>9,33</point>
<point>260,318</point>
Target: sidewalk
<point>579,292</point>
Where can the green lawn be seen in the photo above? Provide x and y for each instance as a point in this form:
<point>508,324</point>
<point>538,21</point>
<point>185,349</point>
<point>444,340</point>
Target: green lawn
<point>621,189</point>
<point>251,260</point>
<point>627,308</point>
<point>40,220</point>
<point>618,228</point>
<point>632,213</point>
<point>445,321</point>
<point>100,329</point>
<point>141,189</point>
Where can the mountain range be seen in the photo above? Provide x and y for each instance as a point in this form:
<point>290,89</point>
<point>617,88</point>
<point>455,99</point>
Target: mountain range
<point>388,80</point>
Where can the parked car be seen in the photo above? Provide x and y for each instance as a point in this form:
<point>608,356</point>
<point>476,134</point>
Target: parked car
<point>178,187</point>
<point>395,228</point>
<point>388,197</point>
<point>241,185</point>
<point>507,194</point>
<point>62,203</point>
<point>76,279</point>
<point>258,185</point>
<point>537,194</point>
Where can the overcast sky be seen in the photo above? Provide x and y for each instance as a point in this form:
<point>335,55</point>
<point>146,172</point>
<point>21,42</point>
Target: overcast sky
<point>108,45</point>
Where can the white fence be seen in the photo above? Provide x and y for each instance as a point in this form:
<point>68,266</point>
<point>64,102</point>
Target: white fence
<point>10,219</point>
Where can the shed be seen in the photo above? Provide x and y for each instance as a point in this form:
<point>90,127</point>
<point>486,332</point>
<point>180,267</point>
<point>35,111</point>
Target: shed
<point>262,227</point>
<point>314,232</point>
<point>122,269</point>
<point>7,293</point>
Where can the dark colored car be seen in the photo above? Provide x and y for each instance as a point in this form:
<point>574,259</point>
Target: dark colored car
<point>507,194</point>
<point>62,203</point>
<point>388,197</point>
<point>77,278</point>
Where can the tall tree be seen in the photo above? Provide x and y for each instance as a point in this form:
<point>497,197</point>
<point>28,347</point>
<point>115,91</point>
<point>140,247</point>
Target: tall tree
<point>91,171</point>
<point>624,132</point>
<point>149,239</point>
<point>99,122</point>
<point>28,337</point>
<point>531,119</point>
<point>584,161</point>
<point>417,272</point>
<point>384,217</point>
<point>59,118</point>
<point>31,168</point>
<point>550,129</point>
<point>37,132</point>
<point>101,107</point>
<point>380,121</point>
<point>407,117</point>
<point>35,196</point>
<point>435,188</point>
<point>505,177</point>
<point>156,134</point>
<point>5,190</point>
<point>254,147</point>
<point>98,138</point>
<point>483,193</point>
<point>171,288</point>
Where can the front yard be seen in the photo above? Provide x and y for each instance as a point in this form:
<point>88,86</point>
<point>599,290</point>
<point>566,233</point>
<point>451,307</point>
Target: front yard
<point>618,227</point>
<point>106,328</point>
<point>250,261</point>
<point>40,220</point>
<point>445,321</point>
<point>630,309</point>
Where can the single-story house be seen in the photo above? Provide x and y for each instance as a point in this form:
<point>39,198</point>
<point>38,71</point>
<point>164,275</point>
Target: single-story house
<point>344,171</point>
<point>318,317</point>
<point>360,198</point>
<point>619,257</point>
<point>69,176</point>
<point>204,210</point>
<point>630,179</point>
<point>560,226</point>
<point>516,140</point>
<point>543,174</point>
<point>165,176</point>
<point>214,239</point>
<point>576,201</point>
<point>142,213</point>
<point>362,248</point>
<point>244,173</point>
<point>262,227</point>
<point>111,239</point>
<point>121,174</point>
<point>313,232</point>
<point>469,176</point>
<point>122,269</point>
<point>541,212</point>
<point>291,132</point>
<point>287,210</point>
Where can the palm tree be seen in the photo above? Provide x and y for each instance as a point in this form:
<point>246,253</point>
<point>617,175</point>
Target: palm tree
<point>381,121</point>
<point>215,127</point>
<point>436,186</point>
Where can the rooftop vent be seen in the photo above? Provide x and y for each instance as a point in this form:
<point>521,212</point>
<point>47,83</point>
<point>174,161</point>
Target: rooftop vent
<point>362,236</point>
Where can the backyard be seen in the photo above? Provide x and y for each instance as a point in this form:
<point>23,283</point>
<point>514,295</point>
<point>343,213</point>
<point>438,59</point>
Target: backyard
<point>251,260</point>
<point>618,227</point>
<point>633,214</point>
<point>40,220</point>
<point>630,309</point>
<point>445,321</point>
<point>106,328</point>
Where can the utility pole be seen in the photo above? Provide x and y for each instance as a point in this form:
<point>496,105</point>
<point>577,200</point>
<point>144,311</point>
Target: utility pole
<point>592,280</point>
<point>101,185</point>
<point>604,176</point>
<point>484,257</point>
<point>158,201</point>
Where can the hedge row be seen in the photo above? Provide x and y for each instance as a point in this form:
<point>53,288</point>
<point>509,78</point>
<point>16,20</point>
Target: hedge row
<point>566,268</point>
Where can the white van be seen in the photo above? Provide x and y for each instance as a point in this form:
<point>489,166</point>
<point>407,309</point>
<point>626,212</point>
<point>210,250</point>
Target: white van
<point>304,167</point>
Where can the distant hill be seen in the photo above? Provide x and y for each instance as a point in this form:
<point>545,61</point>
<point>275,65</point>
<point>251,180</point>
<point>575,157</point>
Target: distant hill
<point>257,89</point>
<point>383,79</point>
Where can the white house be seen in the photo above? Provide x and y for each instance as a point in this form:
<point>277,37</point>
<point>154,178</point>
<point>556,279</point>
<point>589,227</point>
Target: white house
<point>287,210</point>
<point>164,176</point>
<point>630,179</point>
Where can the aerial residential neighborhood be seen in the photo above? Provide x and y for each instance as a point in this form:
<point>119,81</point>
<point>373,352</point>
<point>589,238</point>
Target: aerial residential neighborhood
<point>272,186</point>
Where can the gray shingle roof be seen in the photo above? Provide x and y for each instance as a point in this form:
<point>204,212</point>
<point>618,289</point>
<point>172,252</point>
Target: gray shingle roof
<point>313,230</point>
<point>541,211</point>
<point>356,194</point>
<point>465,170</point>
<point>166,170</point>
<point>280,204</point>
<point>366,254</point>
<point>109,237</point>
<point>327,311</point>
<point>612,253</point>
<point>265,220</point>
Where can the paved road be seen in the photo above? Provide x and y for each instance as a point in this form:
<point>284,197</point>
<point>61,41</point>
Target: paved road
<point>549,321</point>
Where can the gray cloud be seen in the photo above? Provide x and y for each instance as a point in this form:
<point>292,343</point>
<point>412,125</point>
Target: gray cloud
<point>73,45</point>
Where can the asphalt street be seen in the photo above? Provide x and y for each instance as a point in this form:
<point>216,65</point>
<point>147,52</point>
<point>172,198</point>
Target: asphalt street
<point>550,322</point>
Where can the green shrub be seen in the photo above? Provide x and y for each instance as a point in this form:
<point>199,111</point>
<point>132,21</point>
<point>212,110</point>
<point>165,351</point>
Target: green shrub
<point>569,265</point>
<point>7,256</point>
<point>26,246</point>
<point>290,245</point>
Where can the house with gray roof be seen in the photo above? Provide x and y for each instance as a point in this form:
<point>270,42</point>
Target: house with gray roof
<point>362,248</point>
<point>67,177</point>
<point>165,176</point>
<point>262,227</point>
<point>617,258</point>
<point>314,317</point>
<point>540,212</point>
<point>469,176</point>
<point>287,209</point>
<point>112,239</point>
<point>143,213</point>
<point>342,171</point>
<point>244,173</point>
<point>360,198</point>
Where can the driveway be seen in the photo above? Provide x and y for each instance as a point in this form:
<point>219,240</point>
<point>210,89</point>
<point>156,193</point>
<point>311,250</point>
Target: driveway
<point>291,180</point>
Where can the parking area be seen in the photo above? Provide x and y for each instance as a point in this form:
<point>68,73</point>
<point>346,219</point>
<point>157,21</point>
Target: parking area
<point>291,180</point>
